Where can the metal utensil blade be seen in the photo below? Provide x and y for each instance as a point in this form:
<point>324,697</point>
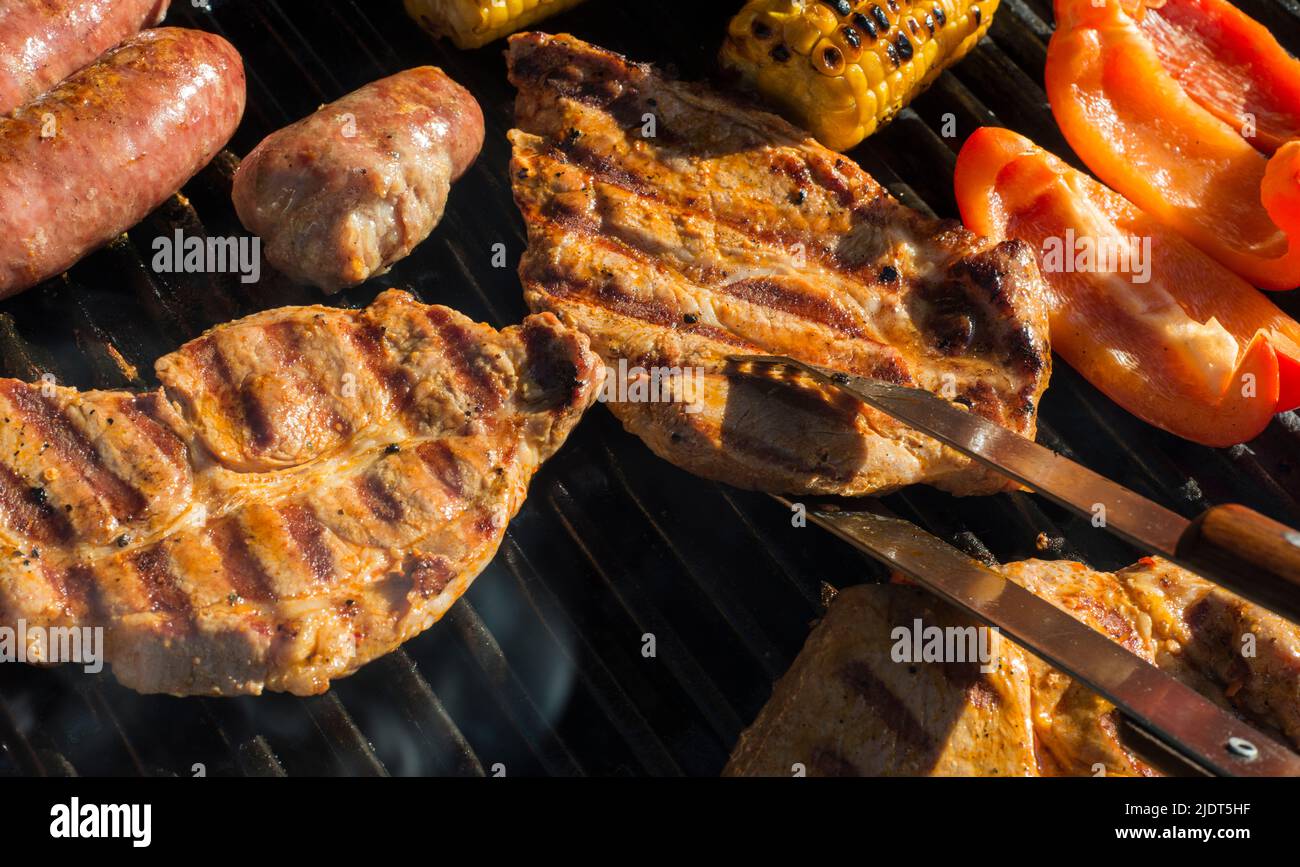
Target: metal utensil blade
<point>1129,515</point>
<point>1210,739</point>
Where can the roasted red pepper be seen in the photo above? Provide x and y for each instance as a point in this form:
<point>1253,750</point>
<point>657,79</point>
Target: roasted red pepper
<point>1174,338</point>
<point>1228,63</point>
<point>1176,106</point>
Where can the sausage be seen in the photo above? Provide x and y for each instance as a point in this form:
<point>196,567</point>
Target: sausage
<point>42,42</point>
<point>92,157</point>
<point>342,194</point>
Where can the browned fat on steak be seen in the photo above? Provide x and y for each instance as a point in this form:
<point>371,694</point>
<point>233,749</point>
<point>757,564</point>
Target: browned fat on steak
<point>848,706</point>
<point>313,487</point>
<point>676,227</point>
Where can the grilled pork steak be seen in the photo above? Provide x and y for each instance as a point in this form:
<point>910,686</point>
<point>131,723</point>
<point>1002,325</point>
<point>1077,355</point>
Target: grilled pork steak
<point>848,707</point>
<point>322,486</point>
<point>676,227</point>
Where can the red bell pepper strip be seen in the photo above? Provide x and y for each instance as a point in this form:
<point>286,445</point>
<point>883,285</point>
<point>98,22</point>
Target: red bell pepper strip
<point>1228,63</point>
<point>1192,349</point>
<point>1162,118</point>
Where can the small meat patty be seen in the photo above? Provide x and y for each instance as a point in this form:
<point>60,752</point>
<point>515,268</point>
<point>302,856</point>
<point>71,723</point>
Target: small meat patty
<point>341,195</point>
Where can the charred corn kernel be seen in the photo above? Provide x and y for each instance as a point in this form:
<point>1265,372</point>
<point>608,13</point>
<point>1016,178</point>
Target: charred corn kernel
<point>827,58</point>
<point>847,40</point>
<point>471,23</point>
<point>803,54</point>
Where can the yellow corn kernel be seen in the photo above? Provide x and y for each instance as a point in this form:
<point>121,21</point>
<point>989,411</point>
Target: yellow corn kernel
<point>847,40</point>
<point>878,54</point>
<point>801,34</point>
<point>822,18</point>
<point>827,58</point>
<point>472,23</point>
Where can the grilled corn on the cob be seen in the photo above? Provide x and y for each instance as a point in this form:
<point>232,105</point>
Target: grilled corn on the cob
<point>471,23</point>
<point>842,68</point>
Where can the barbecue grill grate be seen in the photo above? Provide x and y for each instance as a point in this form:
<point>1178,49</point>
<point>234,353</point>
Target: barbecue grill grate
<point>539,668</point>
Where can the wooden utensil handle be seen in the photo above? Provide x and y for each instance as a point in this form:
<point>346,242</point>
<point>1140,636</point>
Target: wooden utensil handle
<point>1248,553</point>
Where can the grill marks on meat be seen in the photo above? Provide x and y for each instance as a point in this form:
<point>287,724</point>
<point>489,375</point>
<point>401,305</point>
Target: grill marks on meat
<point>315,487</point>
<point>309,536</point>
<point>1202,628</point>
<point>846,707</point>
<point>1194,630</point>
<point>259,406</point>
<point>27,510</point>
<point>727,232</point>
<point>87,467</point>
<point>69,444</point>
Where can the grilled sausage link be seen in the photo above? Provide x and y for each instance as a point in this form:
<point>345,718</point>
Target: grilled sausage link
<point>341,195</point>
<point>92,157</point>
<point>42,42</point>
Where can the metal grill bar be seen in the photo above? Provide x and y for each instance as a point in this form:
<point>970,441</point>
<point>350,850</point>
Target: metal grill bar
<point>604,688</point>
<point>612,544</point>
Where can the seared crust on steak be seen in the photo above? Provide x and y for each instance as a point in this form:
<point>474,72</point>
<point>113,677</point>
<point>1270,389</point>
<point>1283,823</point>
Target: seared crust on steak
<point>1250,653</point>
<point>847,707</point>
<point>325,485</point>
<point>1194,630</point>
<point>725,230</point>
